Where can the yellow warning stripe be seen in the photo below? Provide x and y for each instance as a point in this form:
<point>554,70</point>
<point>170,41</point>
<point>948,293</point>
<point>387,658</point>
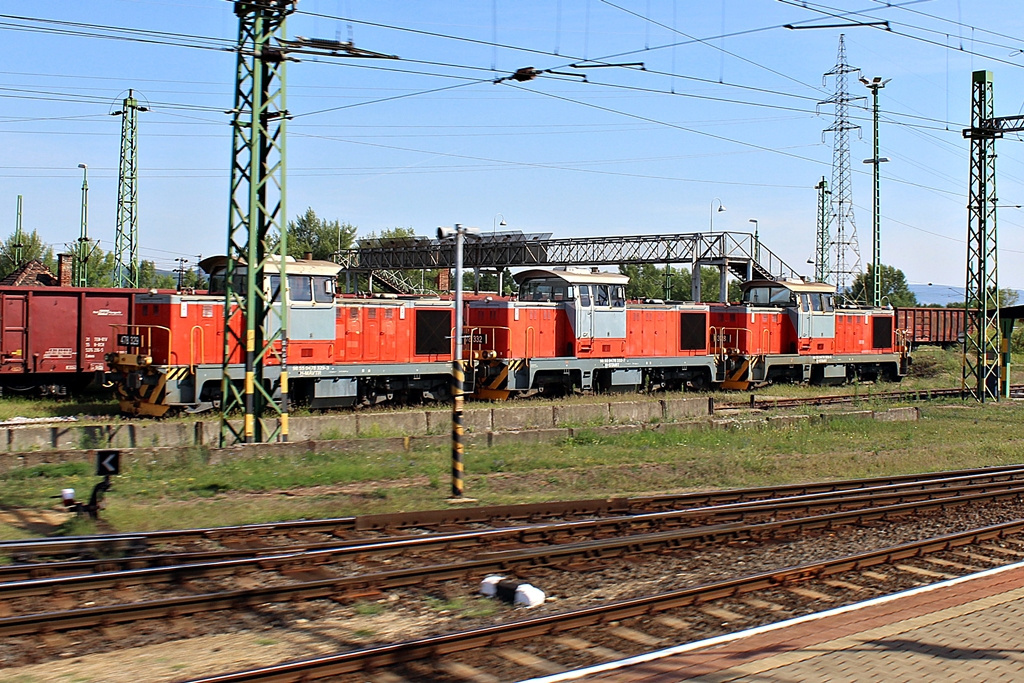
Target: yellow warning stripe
<point>178,373</point>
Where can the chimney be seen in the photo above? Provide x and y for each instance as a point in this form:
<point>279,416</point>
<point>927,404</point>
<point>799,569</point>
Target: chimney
<point>308,256</point>
<point>444,280</point>
<point>64,269</point>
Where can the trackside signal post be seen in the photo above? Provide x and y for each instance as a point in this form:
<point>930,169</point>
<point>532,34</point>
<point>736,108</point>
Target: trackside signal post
<point>459,233</point>
<point>983,344</point>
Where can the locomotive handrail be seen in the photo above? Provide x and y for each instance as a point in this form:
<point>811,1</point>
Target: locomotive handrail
<point>477,328</point>
<point>191,347</point>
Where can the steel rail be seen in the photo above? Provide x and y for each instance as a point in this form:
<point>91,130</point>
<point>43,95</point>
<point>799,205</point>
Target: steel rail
<point>108,544</point>
<point>435,646</point>
<point>284,560</point>
<point>486,563</point>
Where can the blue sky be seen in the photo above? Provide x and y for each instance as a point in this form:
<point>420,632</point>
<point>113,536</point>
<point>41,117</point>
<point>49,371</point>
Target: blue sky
<point>629,152</point>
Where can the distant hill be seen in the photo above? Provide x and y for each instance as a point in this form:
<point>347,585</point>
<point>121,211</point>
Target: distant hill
<point>945,294</point>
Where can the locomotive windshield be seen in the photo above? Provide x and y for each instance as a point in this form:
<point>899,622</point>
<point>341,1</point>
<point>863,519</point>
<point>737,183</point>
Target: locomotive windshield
<point>218,276</point>
<point>769,296</point>
<point>318,288</point>
<point>546,290</point>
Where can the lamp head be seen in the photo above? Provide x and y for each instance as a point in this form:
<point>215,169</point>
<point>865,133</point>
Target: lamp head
<point>721,208</point>
<point>502,223</point>
<point>83,166</point>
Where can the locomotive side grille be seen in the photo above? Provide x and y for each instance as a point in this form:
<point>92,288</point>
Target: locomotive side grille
<point>881,332</point>
<point>692,331</point>
<point>433,333</point>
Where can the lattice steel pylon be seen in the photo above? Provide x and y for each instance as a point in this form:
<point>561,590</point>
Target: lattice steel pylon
<point>844,237</point>
<point>983,339</point>
<point>254,332</point>
<point>822,271</point>
<point>126,237</point>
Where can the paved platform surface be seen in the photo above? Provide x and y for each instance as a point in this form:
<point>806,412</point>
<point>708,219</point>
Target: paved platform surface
<point>966,629</point>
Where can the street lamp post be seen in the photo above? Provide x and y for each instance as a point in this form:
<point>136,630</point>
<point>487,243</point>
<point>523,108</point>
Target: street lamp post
<point>874,85</point>
<point>459,232</point>
<point>721,208</point>
<point>82,271</point>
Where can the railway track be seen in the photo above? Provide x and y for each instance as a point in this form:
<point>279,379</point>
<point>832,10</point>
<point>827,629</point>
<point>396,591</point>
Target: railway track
<point>552,643</point>
<point>565,546</point>
<point>108,550</point>
<point>77,575</point>
<point>760,403</point>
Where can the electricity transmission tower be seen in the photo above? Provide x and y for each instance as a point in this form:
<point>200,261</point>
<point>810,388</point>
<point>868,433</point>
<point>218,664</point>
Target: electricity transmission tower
<point>255,331</point>
<point>982,335</point>
<point>256,212</point>
<point>126,238</point>
<point>822,271</point>
<point>18,241</point>
<point>844,241</point>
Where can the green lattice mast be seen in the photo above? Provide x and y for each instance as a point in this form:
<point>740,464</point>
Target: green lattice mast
<point>126,238</point>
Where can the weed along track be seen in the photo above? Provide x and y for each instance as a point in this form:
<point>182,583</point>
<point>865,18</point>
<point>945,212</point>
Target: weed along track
<point>351,591</point>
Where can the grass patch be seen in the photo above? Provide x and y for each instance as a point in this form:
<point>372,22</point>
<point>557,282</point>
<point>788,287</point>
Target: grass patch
<point>189,491</point>
<point>369,608</point>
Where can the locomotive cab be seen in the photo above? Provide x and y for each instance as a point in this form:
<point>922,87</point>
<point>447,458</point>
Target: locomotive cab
<point>791,331</point>
<point>572,330</point>
<point>809,308</point>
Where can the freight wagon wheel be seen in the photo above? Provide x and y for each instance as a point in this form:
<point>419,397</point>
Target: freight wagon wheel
<point>701,382</point>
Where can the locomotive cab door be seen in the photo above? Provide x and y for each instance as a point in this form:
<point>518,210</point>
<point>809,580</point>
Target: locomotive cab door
<point>609,317</point>
<point>585,315</point>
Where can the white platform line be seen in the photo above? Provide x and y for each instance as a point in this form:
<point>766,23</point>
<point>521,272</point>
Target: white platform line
<point>717,640</point>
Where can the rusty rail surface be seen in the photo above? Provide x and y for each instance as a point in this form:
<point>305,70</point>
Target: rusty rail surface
<point>491,562</point>
<point>898,395</point>
<point>24,580</point>
<point>111,545</point>
<point>437,646</point>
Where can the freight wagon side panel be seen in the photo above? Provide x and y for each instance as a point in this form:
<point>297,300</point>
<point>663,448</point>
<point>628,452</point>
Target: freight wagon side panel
<point>98,313</point>
<point>14,337</point>
<point>53,339</point>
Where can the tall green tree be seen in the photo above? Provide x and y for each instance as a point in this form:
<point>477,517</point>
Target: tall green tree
<point>324,238</point>
<point>32,247</point>
<point>647,281</point>
<point>895,289</point>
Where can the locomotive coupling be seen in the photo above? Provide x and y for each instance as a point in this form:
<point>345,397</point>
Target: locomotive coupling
<point>128,360</point>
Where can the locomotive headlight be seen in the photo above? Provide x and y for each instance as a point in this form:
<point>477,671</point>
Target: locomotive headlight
<point>145,360</point>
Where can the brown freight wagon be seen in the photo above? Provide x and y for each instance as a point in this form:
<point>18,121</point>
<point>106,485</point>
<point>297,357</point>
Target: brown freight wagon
<point>53,339</point>
<point>941,326</point>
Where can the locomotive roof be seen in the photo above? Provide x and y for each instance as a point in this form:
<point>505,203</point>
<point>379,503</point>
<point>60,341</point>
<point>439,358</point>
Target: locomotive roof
<point>293,266</point>
<point>573,277</point>
<point>792,285</point>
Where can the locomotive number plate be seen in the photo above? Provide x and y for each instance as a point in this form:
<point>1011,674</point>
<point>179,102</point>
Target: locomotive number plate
<point>476,338</point>
<point>129,340</point>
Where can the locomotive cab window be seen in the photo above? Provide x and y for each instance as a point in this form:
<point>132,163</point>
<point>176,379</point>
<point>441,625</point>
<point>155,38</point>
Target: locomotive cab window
<point>585,296</point>
<point>323,289</point>
<point>300,288</point>
<point>618,296</point>
<point>218,279</point>
<point>601,295</point>
<point>770,296</point>
<point>545,290</point>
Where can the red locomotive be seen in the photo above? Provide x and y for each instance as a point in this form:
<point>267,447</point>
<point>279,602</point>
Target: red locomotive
<point>566,331</point>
